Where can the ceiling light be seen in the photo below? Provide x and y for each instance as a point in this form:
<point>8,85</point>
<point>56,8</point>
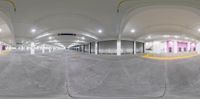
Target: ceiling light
<point>186,38</point>
<point>100,31</point>
<point>133,31</point>
<point>72,45</point>
<point>78,41</point>
<point>50,38</point>
<point>83,38</point>
<point>54,41</point>
<point>199,30</point>
<point>41,36</point>
<point>177,36</point>
<point>33,30</point>
<point>1,30</point>
<point>91,36</point>
<point>166,36</point>
<point>149,37</point>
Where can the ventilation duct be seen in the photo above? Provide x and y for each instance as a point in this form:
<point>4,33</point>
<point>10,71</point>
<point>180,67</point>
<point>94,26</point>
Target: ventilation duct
<point>66,34</point>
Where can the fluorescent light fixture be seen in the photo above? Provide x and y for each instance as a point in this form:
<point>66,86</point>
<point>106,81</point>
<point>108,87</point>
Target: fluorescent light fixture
<point>100,31</point>
<point>33,30</point>
<point>41,36</point>
<point>79,41</point>
<point>91,36</point>
<point>60,45</point>
<point>54,41</point>
<point>72,45</point>
<point>132,30</point>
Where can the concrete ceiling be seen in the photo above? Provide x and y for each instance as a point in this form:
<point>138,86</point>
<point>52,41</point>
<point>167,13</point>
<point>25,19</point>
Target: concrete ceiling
<point>166,20</point>
<point>87,17</point>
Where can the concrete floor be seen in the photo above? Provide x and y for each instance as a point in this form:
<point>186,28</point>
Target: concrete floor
<point>68,75</point>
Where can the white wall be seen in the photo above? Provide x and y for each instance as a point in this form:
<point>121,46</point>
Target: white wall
<point>157,47</point>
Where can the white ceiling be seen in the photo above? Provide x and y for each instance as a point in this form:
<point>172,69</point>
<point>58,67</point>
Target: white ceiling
<point>86,17</point>
<point>164,20</point>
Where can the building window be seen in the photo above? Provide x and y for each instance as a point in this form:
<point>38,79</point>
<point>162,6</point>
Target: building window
<point>180,49</point>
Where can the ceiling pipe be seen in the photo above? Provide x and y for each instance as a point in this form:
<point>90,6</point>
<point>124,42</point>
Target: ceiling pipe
<point>13,4</point>
<point>120,3</point>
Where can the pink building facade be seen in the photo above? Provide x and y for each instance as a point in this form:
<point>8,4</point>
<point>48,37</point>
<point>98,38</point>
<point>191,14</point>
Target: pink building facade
<point>175,46</point>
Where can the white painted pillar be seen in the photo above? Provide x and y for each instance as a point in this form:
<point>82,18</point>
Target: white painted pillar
<point>96,48</point>
<point>119,48</point>
<point>198,48</point>
<point>1,47</point>
<point>49,49</point>
<point>165,47</point>
<point>175,47</point>
<point>134,48</point>
<point>23,48</point>
<point>43,49</point>
<point>189,46</point>
<point>32,48</point>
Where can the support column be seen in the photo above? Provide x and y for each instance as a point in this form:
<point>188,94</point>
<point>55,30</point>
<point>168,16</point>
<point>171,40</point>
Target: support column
<point>80,48</point>
<point>43,49</point>
<point>90,48</point>
<point>119,48</point>
<point>188,47</point>
<point>134,47</point>
<point>143,47</point>
<point>175,47</point>
<point>96,48</point>
<point>84,48</point>
<point>49,49</point>
<point>32,48</point>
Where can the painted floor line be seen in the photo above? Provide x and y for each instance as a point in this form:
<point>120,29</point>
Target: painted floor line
<point>169,58</point>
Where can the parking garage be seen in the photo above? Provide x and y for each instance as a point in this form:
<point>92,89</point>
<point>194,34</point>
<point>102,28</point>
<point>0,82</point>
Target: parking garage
<point>99,49</point>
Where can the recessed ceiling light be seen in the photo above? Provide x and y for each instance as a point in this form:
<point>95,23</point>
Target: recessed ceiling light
<point>33,30</point>
<point>199,30</point>
<point>50,38</point>
<point>149,37</point>
<point>186,38</point>
<point>177,36</point>
<point>132,30</point>
<point>166,36</point>
<point>83,38</point>
<point>100,31</point>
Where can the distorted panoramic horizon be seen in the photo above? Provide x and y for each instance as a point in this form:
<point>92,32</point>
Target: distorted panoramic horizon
<point>99,49</point>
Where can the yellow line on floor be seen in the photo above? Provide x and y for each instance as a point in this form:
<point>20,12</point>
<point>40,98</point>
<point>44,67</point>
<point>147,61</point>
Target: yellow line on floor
<point>169,58</point>
<point>4,53</point>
